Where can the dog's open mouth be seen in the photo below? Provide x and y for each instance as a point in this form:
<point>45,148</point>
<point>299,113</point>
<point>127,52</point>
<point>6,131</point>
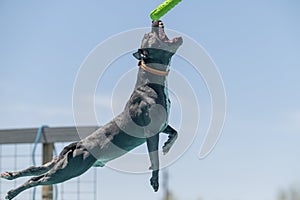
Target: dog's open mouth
<point>158,28</point>
<point>157,39</point>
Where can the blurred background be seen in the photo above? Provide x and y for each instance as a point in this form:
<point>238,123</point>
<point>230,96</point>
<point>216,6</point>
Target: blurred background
<point>256,46</point>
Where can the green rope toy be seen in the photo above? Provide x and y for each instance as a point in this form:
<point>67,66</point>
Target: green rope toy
<point>163,8</point>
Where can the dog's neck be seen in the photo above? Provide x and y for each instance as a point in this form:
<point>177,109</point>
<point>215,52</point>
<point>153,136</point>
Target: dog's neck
<point>146,76</point>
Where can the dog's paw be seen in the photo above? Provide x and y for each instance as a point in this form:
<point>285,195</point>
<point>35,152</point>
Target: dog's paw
<point>154,183</point>
<point>7,175</point>
<point>10,195</point>
<point>166,148</point>
<point>168,144</point>
<point>154,180</point>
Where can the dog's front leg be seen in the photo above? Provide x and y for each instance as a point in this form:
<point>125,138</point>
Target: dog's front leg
<point>171,139</point>
<point>152,145</point>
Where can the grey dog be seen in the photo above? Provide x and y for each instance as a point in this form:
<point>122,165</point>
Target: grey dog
<point>144,117</point>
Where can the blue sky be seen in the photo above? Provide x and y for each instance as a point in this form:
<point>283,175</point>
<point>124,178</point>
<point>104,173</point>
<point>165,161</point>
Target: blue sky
<point>255,44</point>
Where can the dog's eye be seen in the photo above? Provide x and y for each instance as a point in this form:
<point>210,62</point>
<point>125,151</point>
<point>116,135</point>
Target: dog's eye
<point>145,54</point>
<point>160,24</point>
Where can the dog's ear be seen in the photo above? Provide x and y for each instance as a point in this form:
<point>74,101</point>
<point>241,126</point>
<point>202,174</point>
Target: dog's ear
<point>137,55</point>
<point>141,54</point>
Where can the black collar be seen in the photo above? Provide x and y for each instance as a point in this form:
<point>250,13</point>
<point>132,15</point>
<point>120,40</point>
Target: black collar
<point>150,55</point>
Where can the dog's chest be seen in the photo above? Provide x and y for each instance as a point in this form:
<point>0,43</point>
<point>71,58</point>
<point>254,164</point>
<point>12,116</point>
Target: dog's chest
<point>167,104</point>
<point>149,105</point>
<point>163,100</point>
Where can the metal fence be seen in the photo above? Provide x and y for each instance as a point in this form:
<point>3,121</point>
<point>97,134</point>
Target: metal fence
<point>17,156</point>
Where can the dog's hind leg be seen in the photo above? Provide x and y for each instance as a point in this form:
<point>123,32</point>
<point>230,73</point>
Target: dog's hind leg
<point>34,181</point>
<point>70,164</point>
<point>31,171</point>
<point>171,138</point>
<point>38,170</point>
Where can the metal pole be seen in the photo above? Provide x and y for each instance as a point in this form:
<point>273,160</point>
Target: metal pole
<point>47,190</point>
<point>167,195</point>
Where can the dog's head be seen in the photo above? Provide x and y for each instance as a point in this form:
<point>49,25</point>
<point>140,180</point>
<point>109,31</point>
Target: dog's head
<point>156,47</point>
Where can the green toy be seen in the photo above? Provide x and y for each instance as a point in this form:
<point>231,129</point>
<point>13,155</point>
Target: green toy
<point>163,8</point>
